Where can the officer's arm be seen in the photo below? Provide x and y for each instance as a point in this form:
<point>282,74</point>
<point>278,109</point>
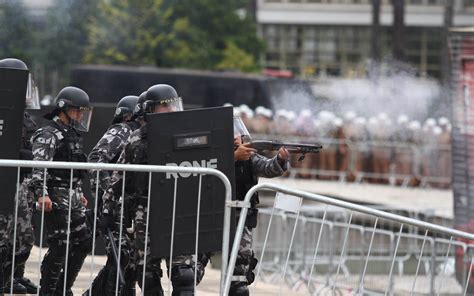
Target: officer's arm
<point>268,167</point>
<point>109,146</point>
<point>44,145</point>
<point>114,189</point>
<point>116,140</point>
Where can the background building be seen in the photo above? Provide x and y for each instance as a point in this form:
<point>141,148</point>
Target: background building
<point>333,37</point>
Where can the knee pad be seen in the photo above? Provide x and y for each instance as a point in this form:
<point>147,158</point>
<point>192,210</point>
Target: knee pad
<point>239,289</point>
<point>252,264</point>
<point>85,246</point>
<point>248,265</point>
<point>57,250</point>
<point>182,278</point>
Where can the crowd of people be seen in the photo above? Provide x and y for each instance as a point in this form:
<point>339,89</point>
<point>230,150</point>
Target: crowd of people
<point>382,148</point>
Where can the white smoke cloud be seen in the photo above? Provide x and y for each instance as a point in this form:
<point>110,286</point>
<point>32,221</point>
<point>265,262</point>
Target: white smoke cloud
<point>390,87</point>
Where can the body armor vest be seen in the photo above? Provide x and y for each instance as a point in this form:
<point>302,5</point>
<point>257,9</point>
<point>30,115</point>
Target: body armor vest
<point>244,180</point>
<point>69,149</point>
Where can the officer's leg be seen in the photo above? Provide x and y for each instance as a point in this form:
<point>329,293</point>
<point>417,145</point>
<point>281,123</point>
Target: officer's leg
<point>7,238</point>
<point>80,246</point>
<point>19,277</point>
<point>153,276</point>
<point>4,247</point>
<point>153,271</point>
<point>76,259</point>
<point>25,240</point>
<point>3,255</point>
<point>182,273</point>
<point>51,266</point>
<point>125,256</point>
<point>244,266</point>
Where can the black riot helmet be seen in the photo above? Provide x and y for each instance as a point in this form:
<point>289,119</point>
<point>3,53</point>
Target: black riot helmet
<point>162,98</point>
<point>32,94</point>
<point>13,63</point>
<point>74,103</point>
<point>125,108</point>
<point>138,112</point>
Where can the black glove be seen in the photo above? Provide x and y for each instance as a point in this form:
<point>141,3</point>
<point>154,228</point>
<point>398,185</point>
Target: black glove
<point>106,222</point>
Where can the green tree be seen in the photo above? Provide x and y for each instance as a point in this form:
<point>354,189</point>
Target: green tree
<point>17,36</point>
<point>235,58</point>
<point>138,32</point>
<point>172,33</point>
<point>217,25</point>
<point>66,34</point>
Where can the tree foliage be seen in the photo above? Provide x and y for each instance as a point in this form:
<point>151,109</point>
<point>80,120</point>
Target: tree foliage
<point>17,36</point>
<point>204,34</point>
<point>65,36</point>
<point>137,32</point>
<point>235,58</point>
<point>219,28</point>
<point>171,33</point>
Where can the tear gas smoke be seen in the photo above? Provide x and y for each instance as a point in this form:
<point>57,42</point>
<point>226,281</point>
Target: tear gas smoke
<point>388,88</point>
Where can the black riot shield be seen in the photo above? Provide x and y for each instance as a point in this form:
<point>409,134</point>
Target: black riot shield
<point>198,138</point>
<point>13,85</point>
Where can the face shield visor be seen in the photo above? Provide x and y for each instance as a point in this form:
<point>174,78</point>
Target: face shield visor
<point>80,117</point>
<point>163,106</point>
<point>32,95</point>
<point>240,130</point>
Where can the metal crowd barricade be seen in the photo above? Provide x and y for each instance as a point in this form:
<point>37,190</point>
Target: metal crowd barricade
<point>150,169</point>
<point>318,256</point>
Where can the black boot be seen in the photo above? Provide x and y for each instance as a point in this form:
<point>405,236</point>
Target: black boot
<point>28,284</point>
<point>17,288</point>
<point>239,289</point>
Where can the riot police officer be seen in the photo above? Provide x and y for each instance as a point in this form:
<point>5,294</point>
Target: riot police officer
<point>250,165</point>
<point>159,98</point>
<point>59,140</point>
<point>109,147</point>
<point>25,235</point>
<point>108,150</point>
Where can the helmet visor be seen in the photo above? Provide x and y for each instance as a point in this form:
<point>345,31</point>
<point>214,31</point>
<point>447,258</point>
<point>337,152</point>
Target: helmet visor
<point>163,106</point>
<point>32,95</point>
<point>80,118</point>
<point>240,130</point>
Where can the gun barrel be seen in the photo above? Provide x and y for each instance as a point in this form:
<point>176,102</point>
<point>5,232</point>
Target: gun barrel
<point>301,147</point>
<point>292,147</point>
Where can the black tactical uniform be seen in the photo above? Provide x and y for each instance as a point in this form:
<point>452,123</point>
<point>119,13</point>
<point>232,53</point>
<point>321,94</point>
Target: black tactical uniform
<point>59,140</point>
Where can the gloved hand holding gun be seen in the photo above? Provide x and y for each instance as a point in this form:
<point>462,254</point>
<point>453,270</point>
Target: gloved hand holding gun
<point>242,137</point>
